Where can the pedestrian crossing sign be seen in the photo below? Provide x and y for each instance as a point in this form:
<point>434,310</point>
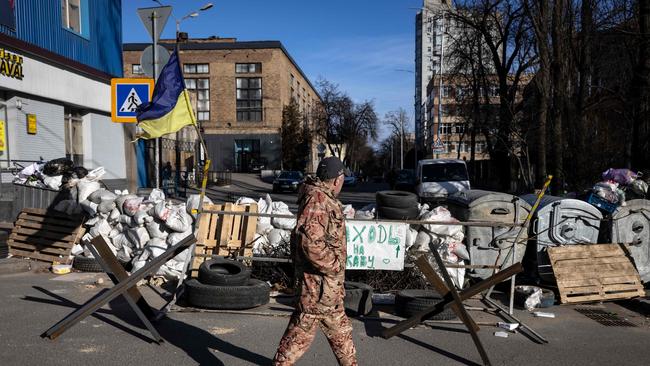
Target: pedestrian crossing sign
<point>127,95</point>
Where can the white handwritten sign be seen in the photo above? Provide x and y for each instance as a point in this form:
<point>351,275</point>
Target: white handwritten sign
<point>375,245</point>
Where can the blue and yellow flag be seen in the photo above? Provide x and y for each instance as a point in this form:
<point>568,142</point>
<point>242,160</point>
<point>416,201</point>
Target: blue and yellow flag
<point>170,108</point>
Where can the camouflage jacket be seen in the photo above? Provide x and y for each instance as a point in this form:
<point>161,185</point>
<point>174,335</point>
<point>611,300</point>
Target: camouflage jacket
<point>319,249</point>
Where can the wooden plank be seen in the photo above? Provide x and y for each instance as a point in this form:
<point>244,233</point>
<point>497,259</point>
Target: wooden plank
<point>591,298</point>
<point>40,248</point>
<point>588,261</point>
<point>598,281</point>
<point>250,229</point>
<point>25,223</point>
<point>59,237</point>
<point>600,288</point>
<point>587,275</point>
<point>40,241</point>
<point>581,248</point>
<point>594,270</point>
<point>39,256</point>
<point>204,226</point>
<point>49,220</point>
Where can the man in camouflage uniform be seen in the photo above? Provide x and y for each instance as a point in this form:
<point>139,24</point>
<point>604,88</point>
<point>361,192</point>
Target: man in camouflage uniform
<point>319,252</point>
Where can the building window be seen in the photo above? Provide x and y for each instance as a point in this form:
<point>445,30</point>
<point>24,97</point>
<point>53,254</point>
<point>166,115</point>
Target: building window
<point>445,128</point>
<point>446,91</point>
<point>200,95</point>
<point>136,69</point>
<point>460,128</point>
<point>74,16</point>
<point>251,68</point>
<point>249,99</point>
<point>196,68</point>
<point>73,136</point>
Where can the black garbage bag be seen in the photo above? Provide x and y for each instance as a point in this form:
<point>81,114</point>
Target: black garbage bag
<point>58,166</point>
<point>80,172</point>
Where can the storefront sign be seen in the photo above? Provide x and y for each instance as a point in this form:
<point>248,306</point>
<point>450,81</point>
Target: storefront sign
<point>3,139</point>
<point>375,245</point>
<point>11,65</point>
<point>31,124</point>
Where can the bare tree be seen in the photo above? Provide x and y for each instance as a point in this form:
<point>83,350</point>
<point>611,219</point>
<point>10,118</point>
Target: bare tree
<point>398,122</point>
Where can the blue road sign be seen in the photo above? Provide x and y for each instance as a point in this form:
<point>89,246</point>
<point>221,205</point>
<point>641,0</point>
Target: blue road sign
<point>127,95</point>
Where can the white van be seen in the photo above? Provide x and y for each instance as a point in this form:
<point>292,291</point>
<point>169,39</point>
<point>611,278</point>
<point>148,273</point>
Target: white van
<point>439,178</point>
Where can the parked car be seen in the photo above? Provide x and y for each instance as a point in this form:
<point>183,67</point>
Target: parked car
<point>405,180</point>
<point>350,180</point>
<point>258,165</point>
<point>287,181</point>
<point>436,179</point>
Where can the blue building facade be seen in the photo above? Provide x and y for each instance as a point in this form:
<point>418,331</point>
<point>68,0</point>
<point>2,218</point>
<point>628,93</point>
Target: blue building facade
<point>96,42</point>
<point>57,58</point>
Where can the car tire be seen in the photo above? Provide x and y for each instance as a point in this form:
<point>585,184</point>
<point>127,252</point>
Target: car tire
<point>86,264</point>
<point>223,272</point>
<point>396,199</point>
<point>252,294</point>
<point>410,302</point>
<point>358,298</point>
<point>393,213</point>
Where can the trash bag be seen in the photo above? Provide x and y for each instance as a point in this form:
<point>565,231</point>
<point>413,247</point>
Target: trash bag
<point>53,182</point>
<point>156,195</point>
<point>95,174</point>
<point>620,176</point>
<point>85,188</point>
<point>179,220</point>
<point>58,166</point>
<point>192,204</point>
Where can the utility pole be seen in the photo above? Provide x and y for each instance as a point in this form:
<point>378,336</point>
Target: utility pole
<point>401,148</point>
<point>158,147</point>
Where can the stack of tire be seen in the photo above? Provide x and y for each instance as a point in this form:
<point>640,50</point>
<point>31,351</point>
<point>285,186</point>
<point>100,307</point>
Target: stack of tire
<point>226,284</point>
<point>397,205</point>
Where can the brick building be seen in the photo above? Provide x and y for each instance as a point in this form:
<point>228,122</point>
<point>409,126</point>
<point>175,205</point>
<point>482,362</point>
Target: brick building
<point>239,90</point>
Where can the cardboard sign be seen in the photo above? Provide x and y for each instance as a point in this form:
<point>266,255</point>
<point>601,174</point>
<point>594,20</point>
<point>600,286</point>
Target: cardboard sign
<point>375,245</point>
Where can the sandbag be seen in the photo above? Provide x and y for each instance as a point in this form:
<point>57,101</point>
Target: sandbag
<point>114,216</point>
<point>131,205</point>
<point>179,220</point>
<point>138,236</point>
<point>95,175</point>
<point>89,207</point>
<point>106,205</point>
<point>281,208</point>
<point>100,195</point>
<point>260,244</point>
<point>157,229</point>
<point>100,228</point>
<point>127,221</point>
<point>85,187</point>
<point>245,201</point>
<point>142,217</point>
<point>156,247</point>
<point>156,195</point>
<point>265,206</point>
<point>120,199</point>
<point>192,204</point>
<point>121,240</point>
<point>161,211</point>
<point>442,214</point>
<point>174,238</point>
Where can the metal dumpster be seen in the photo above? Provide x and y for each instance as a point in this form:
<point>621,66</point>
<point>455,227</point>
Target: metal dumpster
<point>490,245</point>
<point>561,221</point>
<point>33,197</point>
<point>631,225</point>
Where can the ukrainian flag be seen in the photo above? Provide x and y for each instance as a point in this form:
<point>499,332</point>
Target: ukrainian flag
<point>170,108</point>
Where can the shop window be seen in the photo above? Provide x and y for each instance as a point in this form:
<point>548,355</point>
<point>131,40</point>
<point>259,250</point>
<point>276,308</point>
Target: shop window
<point>74,136</point>
<point>200,95</point>
<point>74,16</point>
<point>251,68</point>
<point>249,99</point>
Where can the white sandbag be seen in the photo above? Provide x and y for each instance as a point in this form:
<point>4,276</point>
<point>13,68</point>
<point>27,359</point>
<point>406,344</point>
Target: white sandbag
<point>76,249</point>
<point>460,250</point>
<point>124,254</point>
<point>138,263</point>
<point>423,209</point>
<point>179,220</point>
<point>260,244</point>
<point>95,174</point>
<point>156,247</point>
<point>181,258</point>
<point>120,240</point>
<point>281,208</point>
<point>85,187</point>
<point>140,218</point>
<point>192,204</point>
<point>100,195</point>
<point>138,236</point>
<point>114,216</point>
<point>278,237</point>
<point>156,195</point>
<point>348,211</point>
<point>366,212</point>
<point>100,228</point>
<point>161,210</point>
<point>265,206</point>
<point>245,201</point>
<point>131,205</point>
<point>421,243</point>
<point>121,192</point>
<point>92,221</point>
<point>89,207</point>
<point>174,238</point>
<point>119,201</point>
<point>442,214</point>
<point>411,235</point>
<point>106,205</point>
<point>53,182</point>
<point>157,229</point>
<point>127,221</point>
<point>114,232</point>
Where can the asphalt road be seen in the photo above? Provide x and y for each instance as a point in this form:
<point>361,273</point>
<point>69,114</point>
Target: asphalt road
<point>250,185</point>
<point>32,302</point>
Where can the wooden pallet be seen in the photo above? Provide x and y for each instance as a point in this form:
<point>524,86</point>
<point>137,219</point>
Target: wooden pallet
<point>224,235</point>
<point>597,272</point>
<point>45,235</point>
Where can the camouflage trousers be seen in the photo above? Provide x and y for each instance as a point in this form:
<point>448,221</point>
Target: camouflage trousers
<point>301,331</point>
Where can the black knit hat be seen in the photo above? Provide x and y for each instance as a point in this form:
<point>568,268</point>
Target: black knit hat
<point>330,168</point>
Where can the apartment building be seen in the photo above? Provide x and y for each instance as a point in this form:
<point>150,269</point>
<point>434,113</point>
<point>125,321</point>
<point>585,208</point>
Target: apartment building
<point>239,90</point>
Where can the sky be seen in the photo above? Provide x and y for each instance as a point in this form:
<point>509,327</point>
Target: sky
<point>367,47</point>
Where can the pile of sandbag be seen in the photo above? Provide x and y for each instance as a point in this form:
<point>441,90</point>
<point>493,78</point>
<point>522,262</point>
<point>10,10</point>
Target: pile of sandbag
<point>137,229</point>
<point>273,236</point>
<point>421,239</point>
<point>52,174</point>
